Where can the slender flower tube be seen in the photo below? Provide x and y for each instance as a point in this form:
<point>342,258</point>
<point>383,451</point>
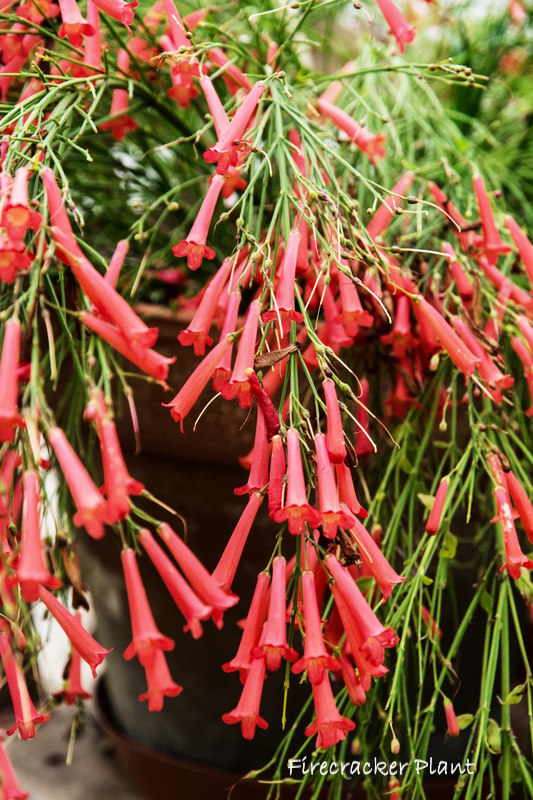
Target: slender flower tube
<point>226,568</point>
<point>116,262</point>
<point>368,143</point>
<point>10,788</point>
<point>401,337</point>
<point>146,636</point>
<point>296,510</point>
<point>252,628</point>
<point>492,241</point>
<point>451,719</point>
<point>88,648</point>
<point>74,26</point>
<point>273,645</point>
<point>194,246</point>
<point>9,363</point>
<point>277,473</point>
<point>188,602</point>
<point>225,152</point>
<point>13,259</point>
<point>346,490</point>
<point>145,359</point>
<point>486,368</point>
<point>526,357</point>
<point>353,314</point>
<point>120,122</point>
<point>31,569</point>
<point>92,51</point>
<point>160,683</point>
<point>26,715</point>
<point>258,477</point>
<point>526,329</point>
<point>197,331</point>
<point>502,283</point>
<point>197,575</point>
<point>461,356</point>
<point>521,502</point>
<point>119,10</point>
<point>73,690</point>
<point>92,508</point>
<point>191,390</point>
<point>381,219</point>
<point>351,681</point>
<point>331,512</point>
<point>374,560</point>
<point>214,103</point>
<point>461,225</point>
<point>514,557</point>
<point>335,433</point>
<point>435,515</point>
<point>522,244</point>
<point>399,27</point>
<point>247,709</point>
<point>283,310</point>
<point>217,56</point>
<point>330,726</point>
<point>222,373</point>
<point>17,215</point>
<point>239,385</point>
<point>464,287</point>
<point>315,658</point>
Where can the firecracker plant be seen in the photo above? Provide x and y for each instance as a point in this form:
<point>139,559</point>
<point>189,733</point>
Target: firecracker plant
<point>358,277</point>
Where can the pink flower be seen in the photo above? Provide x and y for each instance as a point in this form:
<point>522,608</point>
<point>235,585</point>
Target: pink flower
<point>17,215</point>
<point>492,241</point>
<point>73,690</point>
<point>225,152</point>
<point>283,310</point>
<point>239,385</point>
<point>399,27</point>
<point>92,508</point>
<point>401,337</point>
<point>273,645</point>
<point>191,390</point>
<point>351,681</point>
<point>31,570</point>
<point>88,648</point>
<point>258,477</point>
<point>526,357</point>
<point>346,490</point>
<point>522,244</point>
<point>197,332</point>
<point>315,658</point>
<point>462,282</point>
<point>120,122</point>
<point>10,788</point>
<point>332,515</point>
<point>13,259</point>
<point>197,575</point>
<point>335,433</point>
<point>448,208</point>
<point>486,368</point>
<point>214,103</point>
<point>383,216</point>
<point>433,522</point>
<point>461,356</point>
<point>374,560</point>
<point>146,636</point>
<point>226,568</point>
<point>194,246</point>
<point>160,683</point>
<point>451,719</point>
<point>26,715</point>
<point>276,475</point>
<point>296,510</point>
<point>353,314</point>
<point>117,261</point>
<point>521,502</point>
<point>218,57</point>
<point>253,626</point>
<point>222,373</point>
<point>246,711</point>
<point>9,362</point>
<point>368,143</point>
<point>514,557</point>
<point>119,10</point>
<point>330,726</point>
<point>74,26</point>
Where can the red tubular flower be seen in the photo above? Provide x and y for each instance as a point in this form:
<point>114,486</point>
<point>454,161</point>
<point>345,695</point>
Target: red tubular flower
<point>214,103</point>
<point>74,26</point>
<point>363,445</point>
<point>146,636</point>
<point>526,329</point>
<point>218,57</point>
<point>433,523</point>
<point>31,569</point>
<point>92,508</point>
<point>119,10</point>
<point>88,648</point>
<point>335,334</point>
<point>17,215</point>
<point>273,645</point>
<point>381,219</point>
<point>525,356</point>
<point>296,510</point>
<point>191,390</point>
<point>92,54</point>
<point>451,719</point>
<point>194,246</point>
<point>10,788</point>
<point>226,568</point>
<point>225,152</point>
<point>501,282</point>
<point>374,560</point>
<point>521,502</point>
<point>160,683</point>
<point>399,27</point>
<point>145,359</point>
<point>353,314</point>
<point>514,557</point>
<point>239,385</point>
<point>401,337</point>
<point>283,310</point>
<point>461,356</point>
<point>464,287</point>
<point>351,681</point>
<point>9,362</point>
<point>276,475</point>
<point>315,658</point>
<point>120,122</point>
<point>522,244</point>
<point>222,373</point>
<point>197,575</point>
<point>246,711</point>
<point>492,241</point>
<point>486,368</point>
<point>330,726</point>
<point>258,477</point>
<point>451,211</point>
<point>188,602</point>
<point>346,490</point>
<point>197,331</point>
<point>26,715</point>
<point>335,434</point>
<point>332,515</point>
<point>13,259</point>
<point>116,262</point>
<point>431,623</point>
<point>252,628</point>
<point>73,690</point>
<point>368,143</point>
